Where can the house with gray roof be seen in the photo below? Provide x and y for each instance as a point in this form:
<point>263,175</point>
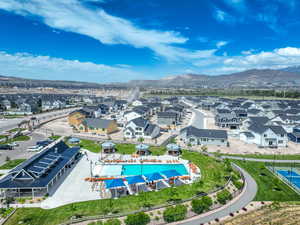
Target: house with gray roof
<point>268,136</point>
<point>194,136</point>
<point>140,128</point>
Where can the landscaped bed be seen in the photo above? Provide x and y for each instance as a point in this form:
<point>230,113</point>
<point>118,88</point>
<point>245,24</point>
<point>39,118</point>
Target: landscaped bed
<point>11,164</point>
<point>18,138</point>
<point>213,175</point>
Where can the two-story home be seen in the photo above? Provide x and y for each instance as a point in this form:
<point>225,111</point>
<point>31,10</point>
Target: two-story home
<point>268,136</point>
<point>167,119</point>
<point>141,128</point>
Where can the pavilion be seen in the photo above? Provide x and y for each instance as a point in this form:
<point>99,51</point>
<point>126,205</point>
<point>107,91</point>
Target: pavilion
<point>173,149</point>
<point>108,147</point>
<point>142,149</point>
<point>116,186</point>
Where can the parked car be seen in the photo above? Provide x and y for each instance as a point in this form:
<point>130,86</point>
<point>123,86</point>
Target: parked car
<point>14,144</point>
<point>35,148</point>
<point>6,147</point>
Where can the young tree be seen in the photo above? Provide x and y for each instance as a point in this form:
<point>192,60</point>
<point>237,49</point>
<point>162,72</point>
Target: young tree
<point>140,218</point>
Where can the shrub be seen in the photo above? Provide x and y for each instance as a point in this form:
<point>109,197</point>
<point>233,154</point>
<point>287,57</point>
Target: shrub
<point>201,205</point>
<point>237,184</point>
<point>112,222</point>
<point>175,213</point>
<point>223,196</point>
<point>140,218</point>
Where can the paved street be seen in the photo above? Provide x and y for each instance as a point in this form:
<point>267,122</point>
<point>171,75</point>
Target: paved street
<point>7,124</point>
<point>197,119</point>
<point>244,199</point>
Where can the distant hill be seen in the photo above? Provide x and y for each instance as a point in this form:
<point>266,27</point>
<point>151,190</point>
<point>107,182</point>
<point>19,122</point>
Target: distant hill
<point>255,78</point>
<point>266,78</point>
<point>9,81</point>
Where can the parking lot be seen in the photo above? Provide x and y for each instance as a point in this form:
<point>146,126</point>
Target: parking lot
<point>20,152</point>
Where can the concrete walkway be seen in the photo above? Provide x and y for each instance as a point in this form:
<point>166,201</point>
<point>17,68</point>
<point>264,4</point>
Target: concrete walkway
<point>244,199</point>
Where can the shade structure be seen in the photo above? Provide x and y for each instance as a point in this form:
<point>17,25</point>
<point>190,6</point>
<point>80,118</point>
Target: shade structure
<point>135,179</point>
<point>107,144</point>
<point>153,177</point>
<point>173,147</point>
<point>142,147</point>
<point>114,183</point>
<point>171,173</point>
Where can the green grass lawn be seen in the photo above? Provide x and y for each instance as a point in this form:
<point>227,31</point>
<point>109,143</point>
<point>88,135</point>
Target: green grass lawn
<point>3,136</point>
<point>11,164</point>
<point>16,129</point>
<point>268,183</point>
<point>161,150</point>
<point>213,174</point>
<point>55,137</point>
<point>19,138</point>
<point>90,145</point>
<point>261,156</point>
<point>125,149</point>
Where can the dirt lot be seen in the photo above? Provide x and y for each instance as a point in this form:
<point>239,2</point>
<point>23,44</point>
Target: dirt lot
<point>276,213</point>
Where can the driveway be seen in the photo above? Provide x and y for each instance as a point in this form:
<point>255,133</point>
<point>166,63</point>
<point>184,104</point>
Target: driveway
<point>244,199</point>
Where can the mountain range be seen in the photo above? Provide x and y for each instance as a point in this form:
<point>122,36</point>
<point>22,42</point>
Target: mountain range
<point>255,78</point>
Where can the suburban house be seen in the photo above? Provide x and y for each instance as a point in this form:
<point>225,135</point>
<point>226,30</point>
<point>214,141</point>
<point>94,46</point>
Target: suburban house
<point>167,119</point>
<point>194,136</point>
<point>131,115</point>
<point>227,119</point>
<point>141,128</point>
<point>261,120</point>
<point>98,126</point>
<point>295,135</point>
<point>267,136</point>
<point>75,118</point>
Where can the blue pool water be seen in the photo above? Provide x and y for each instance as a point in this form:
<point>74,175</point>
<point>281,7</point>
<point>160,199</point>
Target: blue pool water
<point>291,176</point>
<point>138,169</point>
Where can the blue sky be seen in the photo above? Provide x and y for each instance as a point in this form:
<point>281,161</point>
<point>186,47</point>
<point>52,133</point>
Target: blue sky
<point>120,40</point>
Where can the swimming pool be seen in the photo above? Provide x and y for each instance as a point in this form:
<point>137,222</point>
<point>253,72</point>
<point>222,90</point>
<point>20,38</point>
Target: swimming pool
<point>291,176</point>
<point>138,169</point>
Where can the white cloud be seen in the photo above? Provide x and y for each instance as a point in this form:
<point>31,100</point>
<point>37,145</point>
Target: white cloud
<point>219,44</point>
<point>45,67</point>
<point>276,59</point>
<point>73,16</point>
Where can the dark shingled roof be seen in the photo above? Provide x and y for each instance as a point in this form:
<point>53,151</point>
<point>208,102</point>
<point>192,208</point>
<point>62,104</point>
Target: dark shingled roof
<point>206,133</point>
<point>167,114</point>
<point>140,122</point>
<point>97,123</point>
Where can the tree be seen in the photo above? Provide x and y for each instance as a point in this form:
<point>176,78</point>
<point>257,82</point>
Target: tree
<point>176,213</point>
<point>201,205</point>
<point>140,218</point>
<point>141,139</point>
<point>224,196</point>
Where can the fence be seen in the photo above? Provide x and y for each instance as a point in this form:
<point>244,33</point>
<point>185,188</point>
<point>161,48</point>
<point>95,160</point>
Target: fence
<point>216,206</point>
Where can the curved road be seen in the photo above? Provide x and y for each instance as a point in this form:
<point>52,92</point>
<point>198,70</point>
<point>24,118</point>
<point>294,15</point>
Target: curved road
<point>244,199</point>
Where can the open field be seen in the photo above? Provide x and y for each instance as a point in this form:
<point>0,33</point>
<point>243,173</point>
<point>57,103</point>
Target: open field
<point>276,214</point>
<point>270,188</point>
<point>213,175</point>
<point>11,164</point>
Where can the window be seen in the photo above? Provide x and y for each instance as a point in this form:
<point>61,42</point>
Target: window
<point>265,135</point>
<point>280,142</point>
<point>282,135</point>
